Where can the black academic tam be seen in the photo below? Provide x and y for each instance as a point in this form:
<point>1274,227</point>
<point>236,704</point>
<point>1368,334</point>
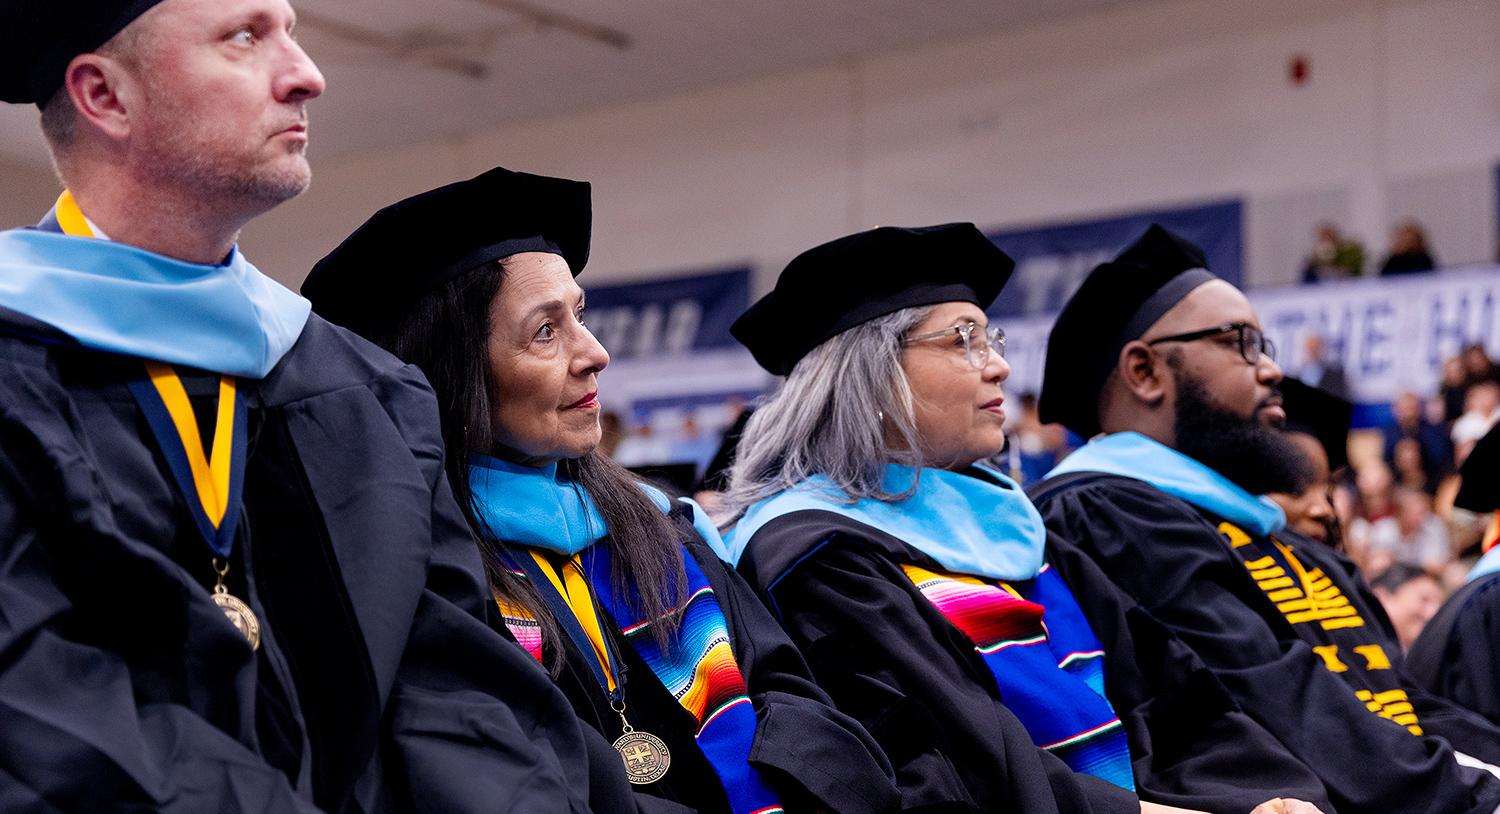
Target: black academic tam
<point>38,38</point>
<point>414,246</point>
<point>831,288</point>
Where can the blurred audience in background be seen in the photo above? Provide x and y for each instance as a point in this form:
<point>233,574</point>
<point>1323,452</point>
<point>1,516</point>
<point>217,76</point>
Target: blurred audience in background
<point>611,433</point>
<point>1034,448</point>
<point>1321,369</point>
<point>1411,598</point>
<point>642,446</point>
<point>1414,535</point>
<point>1409,423</point>
<point>1334,256</point>
<point>1481,411</point>
<point>1408,252</point>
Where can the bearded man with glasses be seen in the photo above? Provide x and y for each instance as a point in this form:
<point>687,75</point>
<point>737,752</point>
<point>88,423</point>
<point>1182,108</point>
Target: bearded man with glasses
<point>1166,368</point>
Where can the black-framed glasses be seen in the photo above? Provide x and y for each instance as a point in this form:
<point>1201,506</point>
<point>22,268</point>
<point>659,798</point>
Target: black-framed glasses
<point>1251,340</point>
<point>977,351</point>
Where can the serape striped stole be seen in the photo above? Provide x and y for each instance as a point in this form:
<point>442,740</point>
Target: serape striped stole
<point>1046,662</point>
<point>699,670</point>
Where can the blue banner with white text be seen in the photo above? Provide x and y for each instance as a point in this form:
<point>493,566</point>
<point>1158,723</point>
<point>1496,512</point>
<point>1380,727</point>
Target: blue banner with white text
<point>1389,334</point>
<point>1051,261</point>
<point>668,316</point>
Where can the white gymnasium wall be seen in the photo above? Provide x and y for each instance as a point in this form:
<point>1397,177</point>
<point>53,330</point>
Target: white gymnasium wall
<point>26,191</point>
<point>1149,104</point>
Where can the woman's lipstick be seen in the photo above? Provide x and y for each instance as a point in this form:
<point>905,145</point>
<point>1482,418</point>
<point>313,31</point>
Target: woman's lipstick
<point>588,402</point>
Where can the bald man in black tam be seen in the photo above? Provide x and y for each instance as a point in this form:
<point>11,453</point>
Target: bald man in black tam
<point>233,577</point>
<point>1165,367</point>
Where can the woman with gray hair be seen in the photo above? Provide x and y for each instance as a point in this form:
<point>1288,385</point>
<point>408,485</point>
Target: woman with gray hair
<point>914,578</point>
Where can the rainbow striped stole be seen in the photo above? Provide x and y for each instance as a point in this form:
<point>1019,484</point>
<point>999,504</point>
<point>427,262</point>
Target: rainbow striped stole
<point>1046,662</point>
<point>699,670</point>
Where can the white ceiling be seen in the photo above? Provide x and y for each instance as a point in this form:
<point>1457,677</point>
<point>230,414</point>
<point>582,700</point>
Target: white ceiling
<point>532,69</point>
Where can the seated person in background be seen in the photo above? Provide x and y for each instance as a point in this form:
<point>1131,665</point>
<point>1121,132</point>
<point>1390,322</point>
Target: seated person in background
<point>1414,536</point>
<point>1412,469</point>
<point>1038,445</point>
<point>1481,412</point>
<point>917,580</point>
<point>603,579</point>
<point>1408,421</point>
<point>1373,499</point>
<point>1334,256</point>
<point>1410,597</point>
<point>1408,251</point>
<point>1317,424</point>
<point>1169,363</point>
<point>1458,654</point>
<point>1478,366</point>
<point>1322,369</point>
<point>1453,387</point>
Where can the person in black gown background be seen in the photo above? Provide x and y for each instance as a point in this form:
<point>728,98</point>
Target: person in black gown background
<point>1456,654</point>
<point>1167,364</point>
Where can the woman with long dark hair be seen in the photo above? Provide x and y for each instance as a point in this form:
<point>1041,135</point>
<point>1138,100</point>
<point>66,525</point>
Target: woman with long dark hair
<point>995,668</point>
<point>606,581</point>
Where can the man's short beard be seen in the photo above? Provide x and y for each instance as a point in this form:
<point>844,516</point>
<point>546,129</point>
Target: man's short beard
<point>192,161</point>
<point>1255,457</point>
<point>251,189</point>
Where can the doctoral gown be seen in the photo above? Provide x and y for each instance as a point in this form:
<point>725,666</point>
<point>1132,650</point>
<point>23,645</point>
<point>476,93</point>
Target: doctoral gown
<point>384,680</point>
<point>1292,634</point>
<point>814,757</point>
<point>888,657</point>
<point>1458,654</point>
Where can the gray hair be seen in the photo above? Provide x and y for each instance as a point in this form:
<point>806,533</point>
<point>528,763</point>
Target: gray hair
<point>845,412</point>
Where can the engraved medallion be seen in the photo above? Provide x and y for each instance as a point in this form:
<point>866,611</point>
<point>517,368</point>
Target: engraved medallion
<point>240,616</point>
<point>646,756</point>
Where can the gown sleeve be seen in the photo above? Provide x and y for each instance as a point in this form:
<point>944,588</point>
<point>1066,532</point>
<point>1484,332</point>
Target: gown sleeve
<point>1456,655</point>
<point>801,737</point>
<point>475,722</point>
<point>953,745</point>
<point>1191,745</point>
<point>1173,562</point>
<point>81,731</point>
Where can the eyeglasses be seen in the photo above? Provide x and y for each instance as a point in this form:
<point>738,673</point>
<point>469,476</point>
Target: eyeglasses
<point>1251,340</point>
<point>975,349</point>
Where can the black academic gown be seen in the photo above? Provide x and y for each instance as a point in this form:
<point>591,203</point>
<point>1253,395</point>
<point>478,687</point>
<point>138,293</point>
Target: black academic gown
<point>1301,681</point>
<point>813,756</point>
<point>1458,654</point>
<point>381,683</point>
<point>890,659</point>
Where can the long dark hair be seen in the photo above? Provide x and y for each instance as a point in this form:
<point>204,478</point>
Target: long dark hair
<point>446,334</point>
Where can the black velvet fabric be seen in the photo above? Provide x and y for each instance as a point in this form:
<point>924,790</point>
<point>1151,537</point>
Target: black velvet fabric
<point>417,244</point>
<point>831,288</point>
